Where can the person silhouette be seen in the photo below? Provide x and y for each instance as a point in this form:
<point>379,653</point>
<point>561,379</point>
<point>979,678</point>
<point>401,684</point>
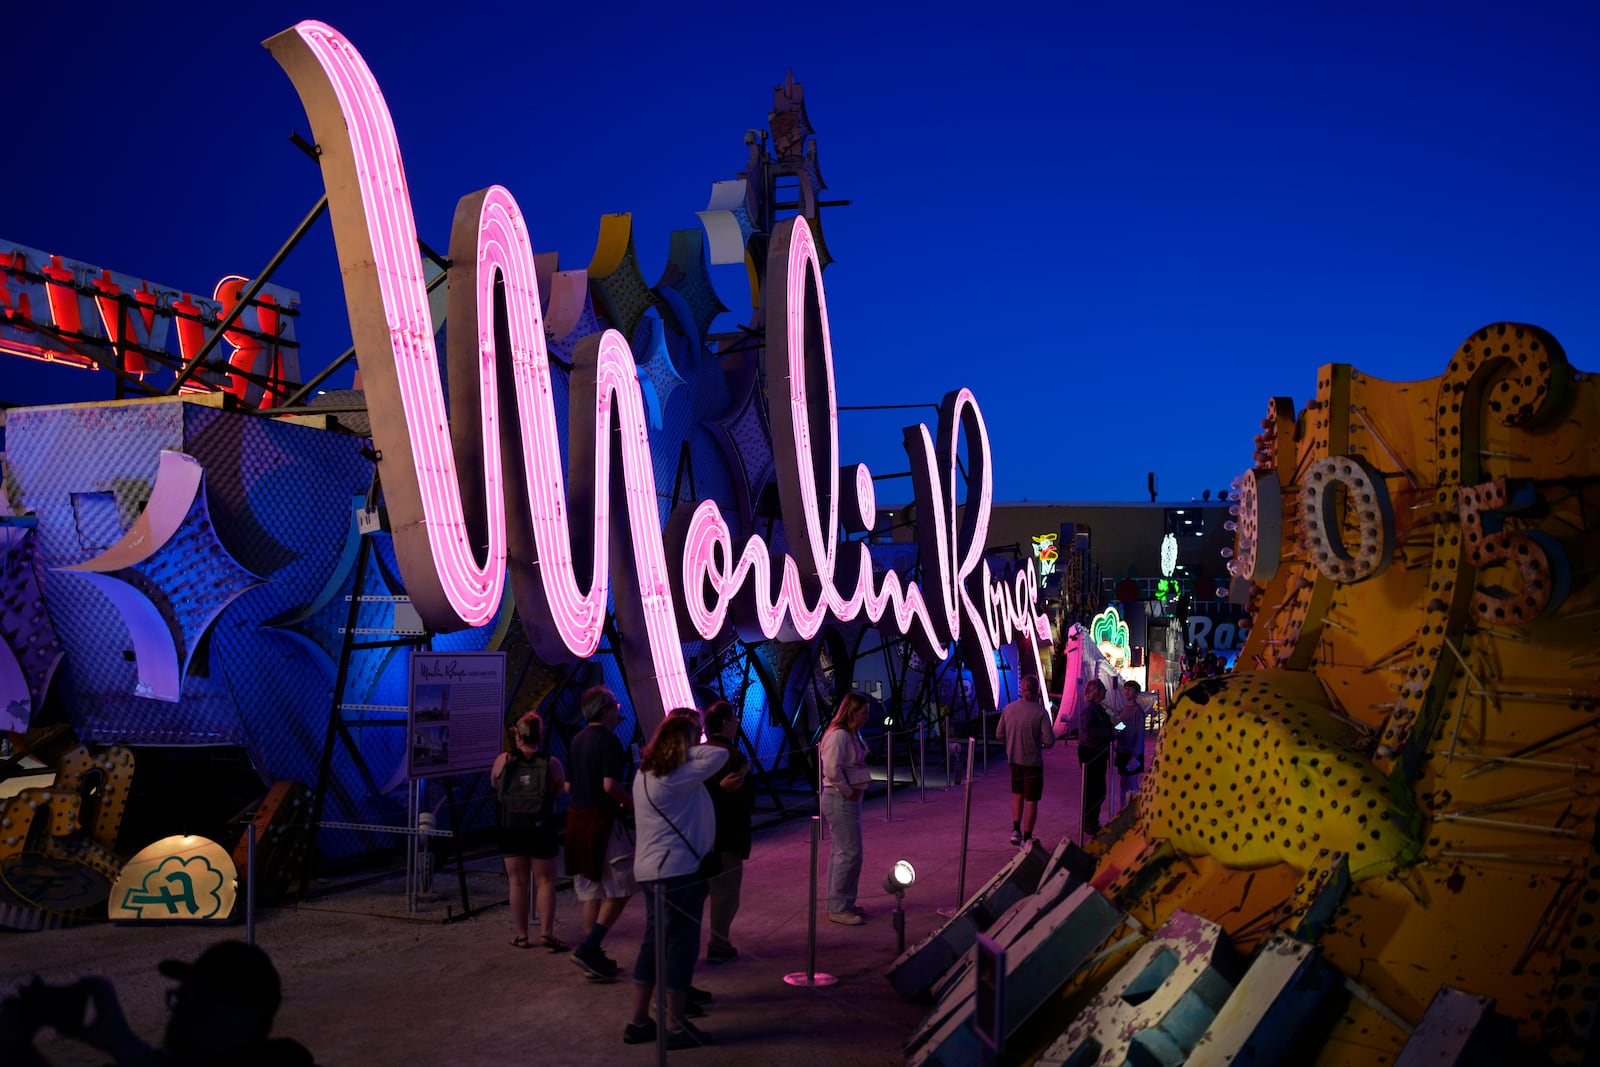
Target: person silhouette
<point>222,1012</point>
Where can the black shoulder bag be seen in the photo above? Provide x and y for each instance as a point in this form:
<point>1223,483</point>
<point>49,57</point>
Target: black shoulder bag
<point>710,861</point>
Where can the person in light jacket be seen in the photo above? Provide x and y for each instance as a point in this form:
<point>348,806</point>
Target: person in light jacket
<point>676,829</point>
<point>845,778</point>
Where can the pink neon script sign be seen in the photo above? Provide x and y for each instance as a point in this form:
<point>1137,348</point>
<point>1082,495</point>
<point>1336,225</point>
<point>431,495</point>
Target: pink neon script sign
<point>558,536</point>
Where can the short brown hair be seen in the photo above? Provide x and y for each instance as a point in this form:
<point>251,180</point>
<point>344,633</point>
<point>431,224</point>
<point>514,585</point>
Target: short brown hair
<point>596,701</point>
<point>717,716</point>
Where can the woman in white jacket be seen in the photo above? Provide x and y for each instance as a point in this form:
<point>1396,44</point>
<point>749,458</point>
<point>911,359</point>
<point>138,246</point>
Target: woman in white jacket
<point>676,828</point>
<point>845,778</point>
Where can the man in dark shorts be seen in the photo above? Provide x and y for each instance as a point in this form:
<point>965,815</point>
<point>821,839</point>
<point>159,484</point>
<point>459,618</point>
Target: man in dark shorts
<point>1025,728</point>
<point>599,848</point>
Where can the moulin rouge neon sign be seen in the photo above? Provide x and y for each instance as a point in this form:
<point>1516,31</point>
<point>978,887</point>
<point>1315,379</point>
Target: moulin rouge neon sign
<point>564,541</point>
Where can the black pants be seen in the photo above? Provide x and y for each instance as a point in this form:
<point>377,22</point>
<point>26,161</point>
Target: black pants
<point>1094,790</point>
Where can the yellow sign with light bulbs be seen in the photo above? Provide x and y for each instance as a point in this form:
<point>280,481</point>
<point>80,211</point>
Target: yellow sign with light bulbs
<point>1401,768</point>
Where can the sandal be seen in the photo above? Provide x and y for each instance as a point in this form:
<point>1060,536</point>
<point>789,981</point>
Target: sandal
<point>553,943</point>
<point>520,942</point>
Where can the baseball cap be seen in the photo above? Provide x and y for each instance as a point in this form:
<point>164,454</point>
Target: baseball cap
<point>230,968</point>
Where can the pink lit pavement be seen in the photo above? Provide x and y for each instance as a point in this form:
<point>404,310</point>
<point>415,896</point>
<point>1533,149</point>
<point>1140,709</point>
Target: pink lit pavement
<point>365,983</point>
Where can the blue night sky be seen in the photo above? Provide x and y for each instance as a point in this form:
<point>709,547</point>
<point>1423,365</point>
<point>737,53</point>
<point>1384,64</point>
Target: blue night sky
<point>1124,227</point>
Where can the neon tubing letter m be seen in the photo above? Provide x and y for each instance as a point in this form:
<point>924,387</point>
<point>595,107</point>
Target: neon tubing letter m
<point>438,522</point>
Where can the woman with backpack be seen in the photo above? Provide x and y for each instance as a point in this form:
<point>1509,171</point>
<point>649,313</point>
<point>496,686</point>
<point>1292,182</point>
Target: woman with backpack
<point>527,781</point>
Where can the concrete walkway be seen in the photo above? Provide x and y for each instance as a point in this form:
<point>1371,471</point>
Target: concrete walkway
<point>366,983</point>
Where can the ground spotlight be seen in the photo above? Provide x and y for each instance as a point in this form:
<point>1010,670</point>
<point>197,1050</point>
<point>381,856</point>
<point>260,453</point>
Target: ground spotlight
<point>900,878</point>
<point>897,881</point>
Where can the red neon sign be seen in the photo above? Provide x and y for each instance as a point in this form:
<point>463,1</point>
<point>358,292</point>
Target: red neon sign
<point>60,310</point>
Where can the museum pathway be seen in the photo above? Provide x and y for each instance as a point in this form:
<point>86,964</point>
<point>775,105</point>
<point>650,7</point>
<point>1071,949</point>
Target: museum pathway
<point>365,983</point>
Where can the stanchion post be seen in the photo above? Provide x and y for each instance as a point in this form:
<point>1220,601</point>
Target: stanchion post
<point>659,910</point>
<point>944,737</point>
<point>922,757</point>
<point>412,807</point>
<point>1115,789</point>
<point>1083,796</point>
<point>888,796</point>
<point>966,825</point>
<point>810,977</point>
<point>250,882</point>
<point>811,912</point>
<point>984,718</point>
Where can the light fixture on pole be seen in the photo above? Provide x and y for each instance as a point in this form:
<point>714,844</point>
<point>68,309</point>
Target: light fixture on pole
<point>897,881</point>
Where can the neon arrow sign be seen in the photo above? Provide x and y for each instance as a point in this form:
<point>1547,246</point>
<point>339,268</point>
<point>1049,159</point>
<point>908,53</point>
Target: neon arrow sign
<point>564,540</point>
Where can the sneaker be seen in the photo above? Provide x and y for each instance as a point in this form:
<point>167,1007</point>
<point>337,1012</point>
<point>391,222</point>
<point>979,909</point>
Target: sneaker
<point>639,1033</point>
<point>1016,837</point>
<point>721,953</point>
<point>699,996</point>
<point>858,909</point>
<point>845,918</point>
<point>594,962</point>
<point>690,1036</point>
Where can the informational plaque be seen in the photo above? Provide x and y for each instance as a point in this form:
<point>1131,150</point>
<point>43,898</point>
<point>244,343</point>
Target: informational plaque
<point>457,712</point>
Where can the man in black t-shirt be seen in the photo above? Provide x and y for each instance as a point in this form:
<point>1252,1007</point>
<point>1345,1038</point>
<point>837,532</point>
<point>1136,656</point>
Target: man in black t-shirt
<point>733,800</point>
<point>599,849</point>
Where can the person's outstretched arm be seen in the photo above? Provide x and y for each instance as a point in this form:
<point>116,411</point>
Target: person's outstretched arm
<point>109,1030</point>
